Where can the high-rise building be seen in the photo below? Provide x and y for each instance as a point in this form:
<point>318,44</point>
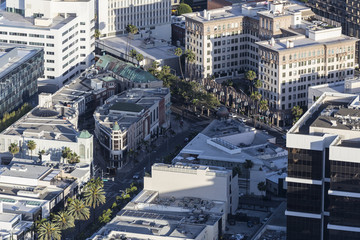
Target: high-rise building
<point>323,195</point>
<point>20,68</point>
<point>114,16</point>
<point>64,29</point>
<point>345,12</point>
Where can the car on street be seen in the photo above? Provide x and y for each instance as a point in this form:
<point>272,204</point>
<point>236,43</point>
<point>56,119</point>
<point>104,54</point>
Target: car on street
<point>136,177</point>
<point>250,224</point>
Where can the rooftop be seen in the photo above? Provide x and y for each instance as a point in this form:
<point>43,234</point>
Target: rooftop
<point>154,49</point>
<point>125,70</point>
<point>12,56</point>
<point>43,123</point>
<point>232,141</point>
<point>9,19</point>
<point>132,104</point>
<point>24,171</point>
<point>150,215</point>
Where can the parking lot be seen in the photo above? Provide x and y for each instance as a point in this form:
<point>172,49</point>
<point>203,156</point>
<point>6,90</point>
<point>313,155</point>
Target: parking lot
<point>245,228</point>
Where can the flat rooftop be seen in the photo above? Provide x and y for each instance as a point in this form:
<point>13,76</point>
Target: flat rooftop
<point>13,56</point>
<point>43,123</point>
<point>24,171</point>
<point>303,41</point>
<point>216,14</point>
<point>158,52</point>
<point>14,20</point>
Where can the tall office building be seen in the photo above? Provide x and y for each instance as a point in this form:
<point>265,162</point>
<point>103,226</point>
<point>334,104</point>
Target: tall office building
<point>323,195</point>
<point>152,18</point>
<point>345,12</point>
<point>64,29</point>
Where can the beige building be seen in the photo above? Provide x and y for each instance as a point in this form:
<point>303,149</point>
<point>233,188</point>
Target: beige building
<point>316,53</point>
<point>223,41</point>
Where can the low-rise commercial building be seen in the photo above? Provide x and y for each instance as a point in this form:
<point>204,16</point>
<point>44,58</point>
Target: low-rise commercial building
<point>231,144</point>
<point>13,227</point>
<point>52,131</point>
<point>193,209</point>
<point>20,68</point>
<point>127,119</point>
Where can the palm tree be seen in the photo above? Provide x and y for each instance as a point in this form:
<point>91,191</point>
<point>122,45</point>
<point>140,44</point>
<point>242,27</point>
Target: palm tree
<point>65,154</point>
<point>48,231</point>
<point>31,145</point>
<point>130,29</point>
<point>14,149</point>
<point>190,58</point>
<point>94,195</point>
<point>73,158</point>
<point>139,57</point>
<point>179,53</point>
<point>78,210</point>
<point>255,96</point>
<point>250,75</point>
<point>296,112</point>
<point>133,53</point>
<point>63,220</point>
<point>257,83</point>
<point>264,106</point>
<point>248,164</point>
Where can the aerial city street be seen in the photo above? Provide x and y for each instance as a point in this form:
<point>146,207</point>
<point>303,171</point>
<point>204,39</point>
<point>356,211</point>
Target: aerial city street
<point>179,120</point>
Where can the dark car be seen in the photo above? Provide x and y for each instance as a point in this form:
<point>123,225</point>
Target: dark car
<point>250,224</point>
<point>232,221</point>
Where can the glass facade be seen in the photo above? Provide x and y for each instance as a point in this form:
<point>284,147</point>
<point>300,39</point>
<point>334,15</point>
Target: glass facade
<point>343,235</point>
<point>20,84</point>
<point>345,211</point>
<point>306,164</point>
<point>299,228</point>
<point>345,176</point>
<point>304,197</point>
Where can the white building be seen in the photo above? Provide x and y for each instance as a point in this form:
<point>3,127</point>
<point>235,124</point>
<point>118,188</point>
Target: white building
<point>65,29</point>
<point>114,16</point>
<point>13,227</point>
<point>230,144</point>
<point>171,208</point>
<point>52,131</point>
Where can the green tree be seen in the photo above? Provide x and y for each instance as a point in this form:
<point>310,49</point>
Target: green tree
<point>94,195</point>
<point>183,8</point>
<point>264,106</point>
<point>130,29</point>
<point>31,145</point>
<point>97,33</point>
<point>190,59</point>
<point>106,216</point>
<point>63,220</point>
<point>248,164</point>
<point>256,97</point>
<point>250,75</point>
<point>262,186</point>
<point>296,111</point>
<point>257,83</point>
<point>48,231</point>
<point>78,210</point>
<point>66,153</point>
<point>73,158</point>
<point>179,53</point>
<point>14,149</point>
<point>154,68</point>
<point>139,57</point>
<point>132,53</point>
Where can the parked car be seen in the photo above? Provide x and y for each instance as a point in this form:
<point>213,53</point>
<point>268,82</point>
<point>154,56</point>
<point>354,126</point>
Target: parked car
<point>250,224</point>
<point>136,177</point>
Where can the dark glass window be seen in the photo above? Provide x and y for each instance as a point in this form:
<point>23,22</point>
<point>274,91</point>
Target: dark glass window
<point>304,197</point>
<point>342,235</point>
<point>303,228</point>
<point>305,164</point>
<point>344,211</point>
<point>345,176</point>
